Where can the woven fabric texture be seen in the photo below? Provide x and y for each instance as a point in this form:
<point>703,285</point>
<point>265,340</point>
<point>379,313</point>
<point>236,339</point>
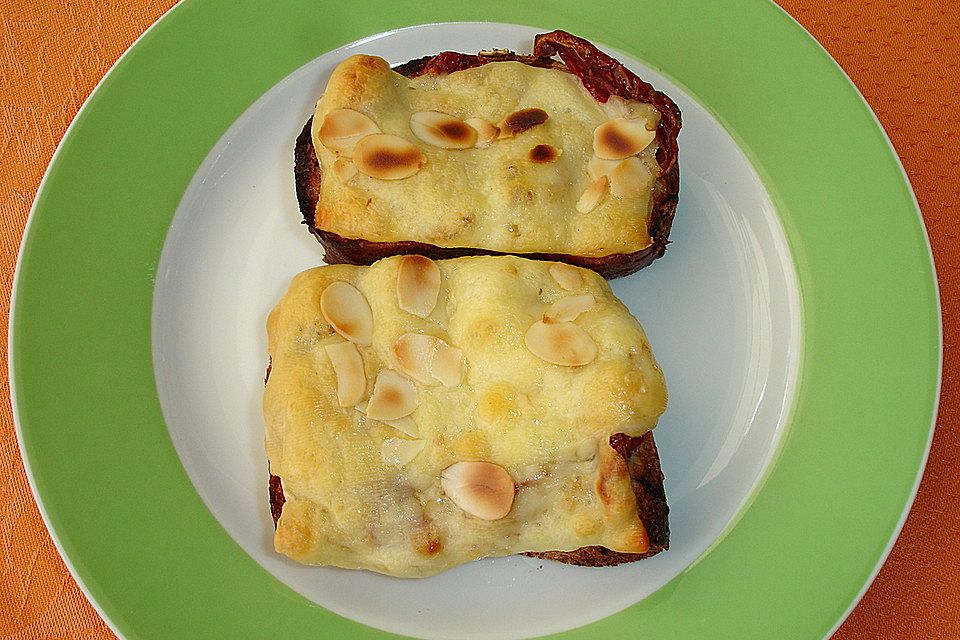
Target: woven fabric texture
<point>902,55</point>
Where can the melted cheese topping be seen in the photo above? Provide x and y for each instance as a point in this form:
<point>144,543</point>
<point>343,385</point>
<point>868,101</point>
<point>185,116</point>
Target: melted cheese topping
<point>498,197</point>
<point>349,505</point>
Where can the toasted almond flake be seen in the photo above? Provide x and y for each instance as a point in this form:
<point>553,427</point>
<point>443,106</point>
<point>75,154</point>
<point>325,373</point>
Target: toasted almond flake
<point>487,132</point>
<point>628,178</point>
<point>561,343</point>
<point>520,121</point>
<point>399,451</point>
<point>592,195</point>
<point>344,170</point>
<point>567,309</point>
<point>428,359</point>
<point>405,425</point>
<point>348,367</point>
<point>482,489</point>
<point>567,276</point>
<point>544,154</point>
<point>621,138</point>
<point>442,130</point>
<point>387,157</point>
<point>599,168</point>
<point>393,397</point>
<point>617,107</point>
<point>446,364</point>
<point>342,129</point>
<point>348,312</point>
<point>418,285</point>
<point>412,352</point>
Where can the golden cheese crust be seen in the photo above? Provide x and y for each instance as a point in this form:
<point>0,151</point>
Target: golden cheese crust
<point>495,197</point>
<point>522,194</point>
<point>643,464</point>
<point>359,492</point>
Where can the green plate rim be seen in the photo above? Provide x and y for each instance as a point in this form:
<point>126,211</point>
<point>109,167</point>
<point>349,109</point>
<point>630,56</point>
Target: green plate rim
<point>108,481</point>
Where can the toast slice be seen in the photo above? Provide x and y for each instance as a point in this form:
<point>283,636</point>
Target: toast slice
<point>386,380</point>
<point>525,195</point>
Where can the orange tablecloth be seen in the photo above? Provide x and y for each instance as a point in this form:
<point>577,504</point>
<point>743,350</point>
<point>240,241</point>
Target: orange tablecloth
<point>903,56</point>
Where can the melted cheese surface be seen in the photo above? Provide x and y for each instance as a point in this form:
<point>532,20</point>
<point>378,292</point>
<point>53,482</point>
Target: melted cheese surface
<point>494,198</point>
<point>547,425</point>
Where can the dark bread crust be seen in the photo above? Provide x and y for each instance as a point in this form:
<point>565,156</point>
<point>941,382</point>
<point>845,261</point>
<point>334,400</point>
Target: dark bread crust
<point>646,477</point>
<point>574,51</point>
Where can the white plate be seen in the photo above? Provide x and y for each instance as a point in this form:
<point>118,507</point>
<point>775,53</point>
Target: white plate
<point>731,365</point>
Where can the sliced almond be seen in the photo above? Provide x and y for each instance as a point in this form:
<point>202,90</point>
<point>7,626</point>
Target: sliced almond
<point>520,121</point>
<point>567,309</point>
<point>482,489</point>
<point>348,367</point>
<point>567,276</point>
<point>344,170</point>
<point>428,359</point>
<point>592,195</point>
<point>412,352</point>
<point>446,364</point>
<point>544,154</point>
<point>342,129</point>
<point>399,451</point>
<point>599,168</point>
<point>348,312</point>
<point>387,157</point>
<point>617,107</point>
<point>629,178</point>
<point>442,130</point>
<point>405,425</point>
<point>418,285</point>
<point>561,343</point>
<point>393,397</point>
<point>621,138</point>
<point>487,132</point>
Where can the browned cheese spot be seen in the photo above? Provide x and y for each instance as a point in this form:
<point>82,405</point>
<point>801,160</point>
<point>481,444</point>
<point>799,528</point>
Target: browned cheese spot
<point>432,547</point>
